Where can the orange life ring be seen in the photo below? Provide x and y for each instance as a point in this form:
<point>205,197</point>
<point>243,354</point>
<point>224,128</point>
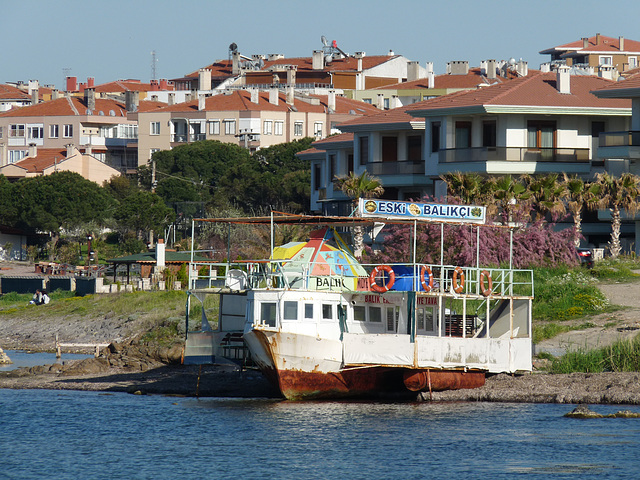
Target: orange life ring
<point>486,290</point>
<point>458,288</point>
<point>427,285</point>
<point>372,278</point>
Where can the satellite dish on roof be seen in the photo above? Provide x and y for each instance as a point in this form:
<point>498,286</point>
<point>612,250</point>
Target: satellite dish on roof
<point>233,48</point>
<point>324,40</point>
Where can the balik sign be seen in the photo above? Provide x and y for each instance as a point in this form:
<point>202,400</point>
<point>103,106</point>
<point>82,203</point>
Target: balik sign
<point>421,211</point>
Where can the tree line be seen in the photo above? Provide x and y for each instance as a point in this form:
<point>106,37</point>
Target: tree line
<point>196,179</point>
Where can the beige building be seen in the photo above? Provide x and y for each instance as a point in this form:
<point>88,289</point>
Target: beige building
<point>251,118</point>
<point>46,161</point>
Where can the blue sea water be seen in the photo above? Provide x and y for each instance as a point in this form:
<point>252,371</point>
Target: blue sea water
<point>91,435</point>
<point>20,358</point>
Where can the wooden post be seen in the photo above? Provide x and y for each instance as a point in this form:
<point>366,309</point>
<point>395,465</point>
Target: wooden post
<point>58,352</point>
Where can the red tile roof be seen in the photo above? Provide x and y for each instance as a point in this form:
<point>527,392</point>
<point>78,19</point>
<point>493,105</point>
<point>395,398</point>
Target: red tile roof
<point>68,106</point>
<point>607,44</point>
<point>121,86</point>
<point>8,92</point>
<point>470,80</point>
<point>631,82</point>
<point>341,137</point>
<point>45,157</point>
<point>240,100</point>
<point>537,90</point>
<point>222,68</point>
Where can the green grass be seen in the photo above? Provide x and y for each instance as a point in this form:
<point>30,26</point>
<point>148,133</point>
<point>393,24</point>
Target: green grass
<point>622,356</point>
<point>618,270</point>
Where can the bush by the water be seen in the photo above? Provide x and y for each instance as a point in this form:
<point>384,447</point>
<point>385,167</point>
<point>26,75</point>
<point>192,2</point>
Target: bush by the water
<point>622,356</point>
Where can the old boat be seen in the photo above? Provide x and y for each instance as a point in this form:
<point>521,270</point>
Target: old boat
<point>321,325</point>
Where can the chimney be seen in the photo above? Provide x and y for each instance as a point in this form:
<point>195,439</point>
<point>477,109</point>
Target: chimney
<point>160,253</point>
<point>318,60</point>
<point>204,79</point>
<point>395,101</point>
<point>606,71</point>
<point>563,80</point>
<point>621,41</point>
<point>273,96</point>
<point>290,94</point>
<point>255,95</point>
<point>70,149</point>
<point>291,74</point>
<point>201,102</point>
<point>545,67</point>
<point>54,94</point>
<point>491,69</point>
<point>162,84</point>
<point>331,100</point>
<point>380,102</point>
<point>235,63</point>
<point>585,43</point>
<point>597,39</point>
<point>359,57</point>
<point>431,80</point>
<point>34,97</point>
<point>90,99</point>
<point>33,150</point>
<point>91,82</point>
<point>171,98</point>
<point>87,149</point>
<point>72,84</point>
<point>459,67</point>
<point>413,71</point>
<point>131,101</point>
<point>522,68</point>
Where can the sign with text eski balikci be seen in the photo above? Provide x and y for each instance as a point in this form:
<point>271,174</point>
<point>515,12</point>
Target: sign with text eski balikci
<point>421,211</point>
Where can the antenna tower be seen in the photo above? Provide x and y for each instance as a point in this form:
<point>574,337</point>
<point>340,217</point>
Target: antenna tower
<point>154,61</point>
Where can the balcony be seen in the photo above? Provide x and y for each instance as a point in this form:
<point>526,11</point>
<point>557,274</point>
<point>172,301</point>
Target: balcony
<point>514,154</point>
<point>619,145</point>
<point>396,168</point>
<point>182,137</point>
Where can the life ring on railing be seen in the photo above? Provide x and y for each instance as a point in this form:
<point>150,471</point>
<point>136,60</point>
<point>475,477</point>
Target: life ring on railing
<point>426,284</point>
<point>457,287</point>
<point>486,290</point>
<point>372,278</point>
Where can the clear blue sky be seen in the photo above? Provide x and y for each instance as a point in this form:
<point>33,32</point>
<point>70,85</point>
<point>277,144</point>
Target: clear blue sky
<point>114,40</point>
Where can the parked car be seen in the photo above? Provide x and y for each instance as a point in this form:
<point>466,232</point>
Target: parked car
<point>586,257</point>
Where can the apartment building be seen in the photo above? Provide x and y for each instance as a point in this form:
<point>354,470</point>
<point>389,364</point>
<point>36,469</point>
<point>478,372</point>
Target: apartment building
<point>251,118</point>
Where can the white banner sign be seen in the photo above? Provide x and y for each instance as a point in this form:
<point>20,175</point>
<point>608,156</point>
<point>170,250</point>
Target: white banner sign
<point>421,211</point>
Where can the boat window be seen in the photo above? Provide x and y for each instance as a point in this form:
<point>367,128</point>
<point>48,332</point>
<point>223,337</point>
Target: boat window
<point>308,310</point>
<point>359,313</point>
<point>268,313</point>
<point>392,318</point>
<point>326,312</point>
<point>375,314</point>
<point>290,310</point>
<point>420,319</point>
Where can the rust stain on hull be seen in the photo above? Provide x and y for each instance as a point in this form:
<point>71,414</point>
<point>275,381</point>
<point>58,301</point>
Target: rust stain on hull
<point>440,380</point>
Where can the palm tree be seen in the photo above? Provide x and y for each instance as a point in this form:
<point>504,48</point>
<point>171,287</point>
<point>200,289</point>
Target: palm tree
<point>356,187</point>
<point>579,194</point>
<point>470,188</point>
<point>547,194</point>
<point>510,195</point>
<point>616,194</point>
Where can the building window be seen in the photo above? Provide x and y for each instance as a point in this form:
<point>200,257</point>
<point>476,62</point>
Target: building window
<point>0,132</point>
<point>489,133</point>
<point>317,129</point>
<point>463,135</point>
<point>386,103</point>
<point>633,62</point>
<point>155,128</point>
<point>605,60</point>
<point>16,130</point>
<point>435,137</point>
<point>297,129</point>
<point>229,127</point>
<point>67,131</point>
<point>541,134</point>
<point>317,177</point>
<point>278,127</point>
<point>17,155</point>
<point>333,166</point>
<point>367,100</point>
<point>54,131</point>
<point>214,127</point>
<point>35,132</point>
<point>364,150</point>
<point>267,127</point>
<point>414,148</point>
<point>349,162</point>
<point>389,149</point>
<point>290,311</point>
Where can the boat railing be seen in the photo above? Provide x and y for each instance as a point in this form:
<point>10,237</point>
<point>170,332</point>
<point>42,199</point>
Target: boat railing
<point>341,277</point>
